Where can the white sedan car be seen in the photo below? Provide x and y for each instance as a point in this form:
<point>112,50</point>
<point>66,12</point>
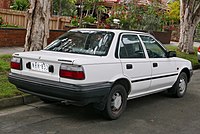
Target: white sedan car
<point>102,67</point>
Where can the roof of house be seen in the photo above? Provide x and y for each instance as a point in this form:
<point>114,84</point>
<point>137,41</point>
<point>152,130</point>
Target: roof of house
<point>144,2</point>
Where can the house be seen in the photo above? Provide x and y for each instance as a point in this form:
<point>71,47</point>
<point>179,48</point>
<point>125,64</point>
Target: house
<point>145,2</point>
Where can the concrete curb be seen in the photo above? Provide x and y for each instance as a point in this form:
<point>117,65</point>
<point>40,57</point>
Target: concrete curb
<point>18,100</point>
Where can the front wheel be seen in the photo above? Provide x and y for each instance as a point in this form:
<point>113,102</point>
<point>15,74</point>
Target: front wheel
<point>116,102</point>
<point>179,88</point>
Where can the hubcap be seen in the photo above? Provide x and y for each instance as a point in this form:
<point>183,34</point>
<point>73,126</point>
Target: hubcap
<point>116,101</point>
<point>182,86</point>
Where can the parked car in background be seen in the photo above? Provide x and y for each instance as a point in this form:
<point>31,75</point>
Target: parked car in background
<point>198,53</point>
<point>103,67</point>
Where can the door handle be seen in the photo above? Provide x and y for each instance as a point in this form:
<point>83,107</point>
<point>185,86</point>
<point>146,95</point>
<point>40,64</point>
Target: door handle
<point>155,64</point>
<point>129,66</point>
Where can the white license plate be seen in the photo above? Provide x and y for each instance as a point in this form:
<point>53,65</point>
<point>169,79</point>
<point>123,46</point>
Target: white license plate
<point>43,67</point>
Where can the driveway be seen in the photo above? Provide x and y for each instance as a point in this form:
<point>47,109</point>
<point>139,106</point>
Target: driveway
<point>154,114</point>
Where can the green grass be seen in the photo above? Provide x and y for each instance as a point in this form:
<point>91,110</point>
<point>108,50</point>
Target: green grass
<point>4,63</point>
<point>9,26</point>
<point>6,89</point>
<point>190,57</point>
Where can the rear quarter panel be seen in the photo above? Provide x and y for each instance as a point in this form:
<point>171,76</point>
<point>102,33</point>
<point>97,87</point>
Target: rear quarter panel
<point>97,71</point>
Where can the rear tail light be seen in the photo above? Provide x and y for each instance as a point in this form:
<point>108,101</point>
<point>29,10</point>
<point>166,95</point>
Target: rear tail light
<point>199,49</point>
<point>16,63</point>
<point>72,72</point>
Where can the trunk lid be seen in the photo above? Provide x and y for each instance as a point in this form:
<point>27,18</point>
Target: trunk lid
<point>46,64</point>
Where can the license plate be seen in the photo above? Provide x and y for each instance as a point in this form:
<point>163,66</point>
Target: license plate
<point>42,67</point>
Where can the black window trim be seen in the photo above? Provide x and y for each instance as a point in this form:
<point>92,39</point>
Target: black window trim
<point>160,44</point>
<point>118,43</point>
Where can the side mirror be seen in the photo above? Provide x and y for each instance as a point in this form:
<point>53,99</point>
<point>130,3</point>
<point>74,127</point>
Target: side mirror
<point>171,54</point>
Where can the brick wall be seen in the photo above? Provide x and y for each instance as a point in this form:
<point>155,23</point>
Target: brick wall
<point>5,4</point>
<point>10,37</point>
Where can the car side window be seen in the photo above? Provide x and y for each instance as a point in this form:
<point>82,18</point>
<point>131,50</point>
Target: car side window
<point>131,47</point>
<point>153,48</point>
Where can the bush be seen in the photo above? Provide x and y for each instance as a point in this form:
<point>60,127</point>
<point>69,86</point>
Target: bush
<point>89,19</point>
<point>151,21</point>
<point>140,17</point>
<point>74,21</point>
<point>1,20</point>
<point>21,5</point>
<point>173,14</point>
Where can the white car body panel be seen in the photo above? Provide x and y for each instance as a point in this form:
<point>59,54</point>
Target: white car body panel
<point>137,73</point>
<point>166,66</point>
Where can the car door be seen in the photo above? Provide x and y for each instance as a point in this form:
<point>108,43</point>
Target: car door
<point>136,67</point>
<point>164,71</point>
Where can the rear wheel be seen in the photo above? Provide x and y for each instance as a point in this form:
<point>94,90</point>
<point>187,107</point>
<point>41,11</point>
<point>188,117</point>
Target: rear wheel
<point>116,102</point>
<point>179,88</point>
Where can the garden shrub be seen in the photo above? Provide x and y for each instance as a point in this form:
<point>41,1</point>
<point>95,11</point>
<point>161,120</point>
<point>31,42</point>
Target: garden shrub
<point>1,20</point>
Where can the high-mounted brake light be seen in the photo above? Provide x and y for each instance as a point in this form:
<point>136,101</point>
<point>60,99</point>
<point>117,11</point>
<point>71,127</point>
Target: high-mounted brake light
<point>72,72</point>
<point>16,63</point>
<point>199,49</point>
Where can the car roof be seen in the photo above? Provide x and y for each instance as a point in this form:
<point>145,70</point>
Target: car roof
<point>110,30</point>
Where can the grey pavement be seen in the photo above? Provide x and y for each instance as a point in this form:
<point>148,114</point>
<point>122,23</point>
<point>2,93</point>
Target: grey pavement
<point>10,50</point>
<point>196,44</point>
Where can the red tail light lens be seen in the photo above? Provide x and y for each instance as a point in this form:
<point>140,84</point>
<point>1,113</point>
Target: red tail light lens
<point>16,63</point>
<point>199,49</point>
<point>72,72</point>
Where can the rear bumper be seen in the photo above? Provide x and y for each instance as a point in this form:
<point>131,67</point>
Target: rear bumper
<point>75,94</point>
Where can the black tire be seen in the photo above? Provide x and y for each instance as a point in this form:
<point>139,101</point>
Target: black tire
<point>115,107</point>
<point>47,100</point>
<point>180,87</point>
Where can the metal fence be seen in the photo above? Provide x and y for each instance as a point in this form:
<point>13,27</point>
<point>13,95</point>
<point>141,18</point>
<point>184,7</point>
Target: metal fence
<point>19,18</point>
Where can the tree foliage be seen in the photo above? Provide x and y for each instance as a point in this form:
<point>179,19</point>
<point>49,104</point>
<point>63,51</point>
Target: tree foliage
<point>64,7</point>
<point>94,10</point>
<point>139,17</point>
<point>151,19</point>
<point>173,13</point>
<point>21,5</point>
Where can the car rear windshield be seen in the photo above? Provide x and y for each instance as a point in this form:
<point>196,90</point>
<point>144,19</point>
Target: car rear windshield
<point>83,42</point>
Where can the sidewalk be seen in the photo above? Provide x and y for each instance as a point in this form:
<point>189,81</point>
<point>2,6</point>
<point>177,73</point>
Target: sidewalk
<point>196,44</point>
<point>10,50</point>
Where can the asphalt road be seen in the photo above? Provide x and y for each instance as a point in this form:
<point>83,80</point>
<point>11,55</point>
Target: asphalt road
<point>154,114</point>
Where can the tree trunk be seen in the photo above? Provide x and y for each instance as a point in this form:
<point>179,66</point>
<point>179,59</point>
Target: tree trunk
<point>187,39</point>
<point>189,19</point>
<point>60,8</point>
<point>81,17</point>
<point>38,25</point>
<point>93,9</point>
